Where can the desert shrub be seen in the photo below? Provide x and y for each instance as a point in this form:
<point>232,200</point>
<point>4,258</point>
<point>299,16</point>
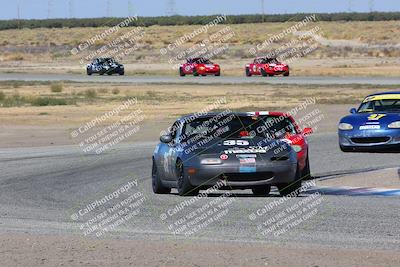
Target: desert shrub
<point>13,101</point>
<point>56,87</point>
<point>90,93</point>
<point>48,101</point>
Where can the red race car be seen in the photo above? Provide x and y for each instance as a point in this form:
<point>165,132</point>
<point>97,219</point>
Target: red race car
<point>266,67</point>
<point>284,127</point>
<point>199,66</point>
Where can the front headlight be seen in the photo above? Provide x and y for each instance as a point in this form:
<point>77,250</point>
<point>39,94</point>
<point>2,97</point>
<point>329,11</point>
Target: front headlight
<point>296,148</point>
<point>210,161</point>
<point>394,125</point>
<point>202,68</point>
<point>345,126</point>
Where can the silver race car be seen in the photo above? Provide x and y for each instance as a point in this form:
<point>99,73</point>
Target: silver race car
<point>236,150</point>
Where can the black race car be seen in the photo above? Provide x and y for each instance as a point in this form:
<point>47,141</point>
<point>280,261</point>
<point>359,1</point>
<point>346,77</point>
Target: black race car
<point>238,150</point>
<point>105,66</point>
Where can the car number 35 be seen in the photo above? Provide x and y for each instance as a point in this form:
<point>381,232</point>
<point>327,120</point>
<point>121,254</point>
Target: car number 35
<point>236,142</point>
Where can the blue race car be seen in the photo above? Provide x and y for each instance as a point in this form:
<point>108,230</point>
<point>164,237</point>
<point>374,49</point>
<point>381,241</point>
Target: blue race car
<point>374,126</point>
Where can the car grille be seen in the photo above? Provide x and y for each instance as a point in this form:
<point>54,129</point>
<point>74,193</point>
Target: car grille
<point>245,177</point>
<point>370,140</point>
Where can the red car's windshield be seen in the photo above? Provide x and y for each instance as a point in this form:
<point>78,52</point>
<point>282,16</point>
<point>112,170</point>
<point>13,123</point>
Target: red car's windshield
<point>200,61</point>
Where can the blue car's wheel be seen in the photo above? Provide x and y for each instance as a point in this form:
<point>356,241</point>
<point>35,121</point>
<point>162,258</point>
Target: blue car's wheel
<point>158,187</point>
<point>184,187</point>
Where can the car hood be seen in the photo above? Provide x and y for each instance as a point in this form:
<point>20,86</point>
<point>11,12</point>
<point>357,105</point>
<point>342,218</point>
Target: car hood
<point>208,65</point>
<point>381,118</point>
<point>278,65</point>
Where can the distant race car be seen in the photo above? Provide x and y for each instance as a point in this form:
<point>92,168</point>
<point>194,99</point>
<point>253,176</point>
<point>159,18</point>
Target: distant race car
<point>254,150</point>
<point>105,66</point>
<point>375,125</point>
<point>266,67</point>
<point>199,66</point>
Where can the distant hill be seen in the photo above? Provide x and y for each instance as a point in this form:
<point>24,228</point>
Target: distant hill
<point>193,20</point>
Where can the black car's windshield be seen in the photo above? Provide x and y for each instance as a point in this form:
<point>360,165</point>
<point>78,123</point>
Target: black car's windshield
<point>110,60</point>
<point>240,127</point>
<point>384,105</point>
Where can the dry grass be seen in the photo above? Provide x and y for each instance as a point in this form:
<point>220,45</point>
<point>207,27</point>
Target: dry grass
<point>52,44</point>
<point>165,102</point>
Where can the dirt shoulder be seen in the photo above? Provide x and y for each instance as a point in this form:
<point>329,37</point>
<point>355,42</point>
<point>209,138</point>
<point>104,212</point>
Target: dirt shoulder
<point>49,250</point>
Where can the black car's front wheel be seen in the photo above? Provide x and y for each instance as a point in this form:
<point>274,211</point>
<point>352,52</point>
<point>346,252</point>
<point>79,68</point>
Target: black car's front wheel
<point>261,190</point>
<point>306,173</point>
<point>183,184</point>
<point>292,188</point>
<point>158,187</point>
<point>88,72</point>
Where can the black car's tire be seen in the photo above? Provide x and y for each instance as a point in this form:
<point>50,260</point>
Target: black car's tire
<point>183,185</point>
<point>121,73</point>
<point>181,72</point>
<point>263,73</point>
<point>158,187</point>
<point>286,74</point>
<point>306,173</point>
<point>218,73</point>
<point>261,190</point>
<point>195,73</point>
<point>248,73</point>
<point>292,188</point>
<point>88,72</point>
<point>345,149</point>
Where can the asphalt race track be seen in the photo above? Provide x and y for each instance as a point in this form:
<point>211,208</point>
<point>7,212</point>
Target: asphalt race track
<point>317,80</point>
<point>42,188</point>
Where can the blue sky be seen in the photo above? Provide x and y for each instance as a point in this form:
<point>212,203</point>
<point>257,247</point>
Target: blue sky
<point>98,8</point>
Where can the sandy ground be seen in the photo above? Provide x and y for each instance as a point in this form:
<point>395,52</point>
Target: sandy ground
<point>51,250</point>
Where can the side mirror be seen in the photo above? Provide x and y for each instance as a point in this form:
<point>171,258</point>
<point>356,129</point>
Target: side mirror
<point>353,111</point>
<point>308,131</point>
<point>166,138</point>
